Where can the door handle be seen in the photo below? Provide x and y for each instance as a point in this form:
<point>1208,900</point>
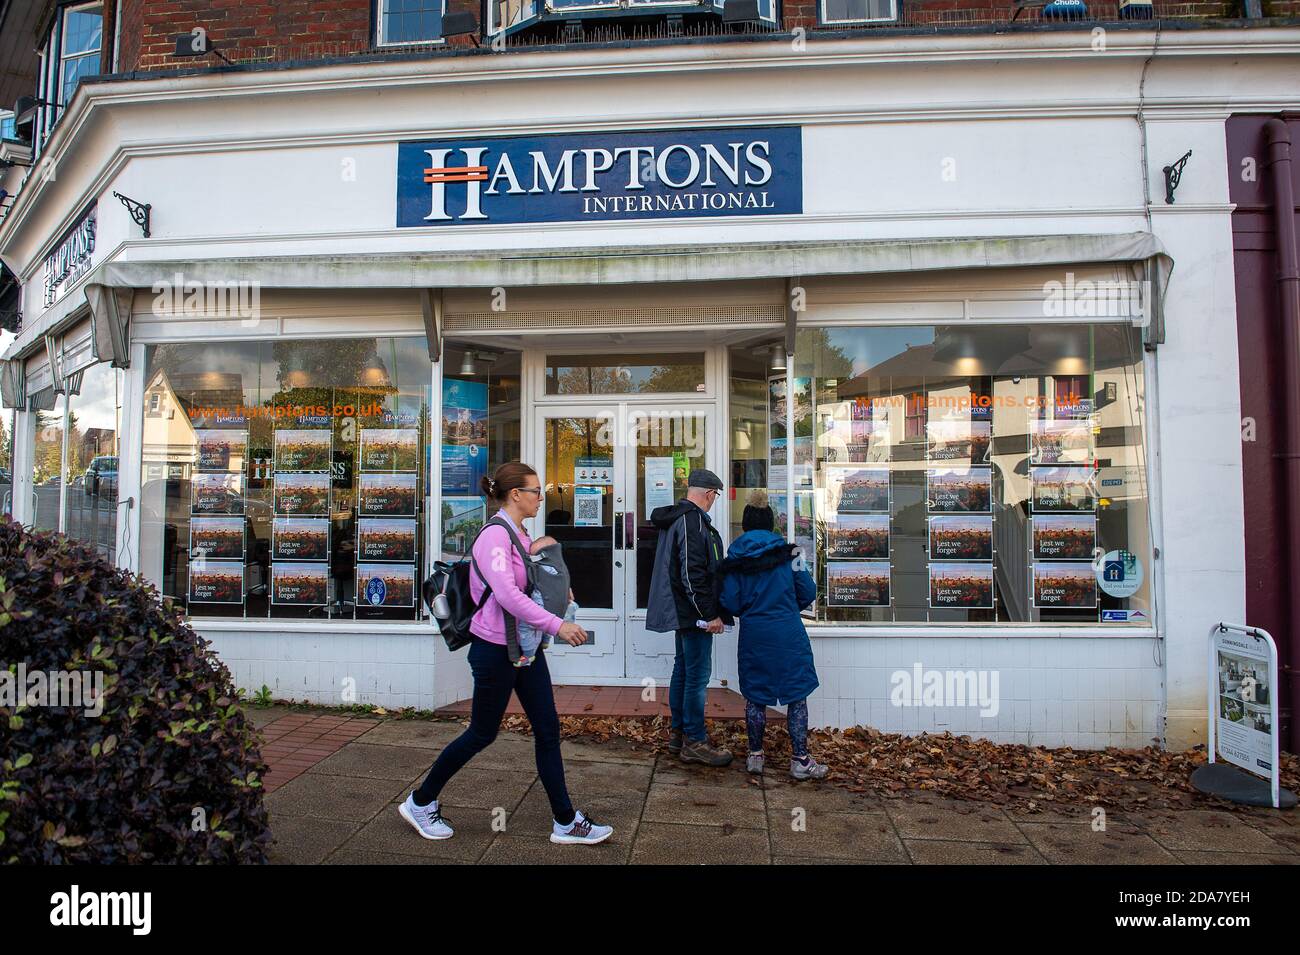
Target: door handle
<point>618,530</point>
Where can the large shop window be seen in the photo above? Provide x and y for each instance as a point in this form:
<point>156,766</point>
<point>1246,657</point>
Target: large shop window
<point>74,466</point>
<point>956,474</point>
<point>287,479</point>
<point>480,431</point>
<point>7,417</point>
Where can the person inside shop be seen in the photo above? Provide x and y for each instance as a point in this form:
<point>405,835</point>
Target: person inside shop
<point>764,582</point>
<point>683,600</point>
<point>516,489</point>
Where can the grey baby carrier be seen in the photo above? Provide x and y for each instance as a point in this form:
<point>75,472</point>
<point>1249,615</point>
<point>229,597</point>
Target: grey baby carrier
<point>547,578</point>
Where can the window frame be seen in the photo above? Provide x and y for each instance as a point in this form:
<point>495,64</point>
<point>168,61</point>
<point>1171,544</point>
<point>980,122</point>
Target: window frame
<point>49,88</point>
<point>377,9</point>
<point>64,58</point>
<point>824,20</point>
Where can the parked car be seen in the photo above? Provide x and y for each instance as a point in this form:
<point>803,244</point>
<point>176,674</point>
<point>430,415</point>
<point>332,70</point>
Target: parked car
<point>101,476</point>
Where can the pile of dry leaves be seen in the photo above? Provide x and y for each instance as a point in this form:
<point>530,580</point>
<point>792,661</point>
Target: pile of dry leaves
<point>1028,778</point>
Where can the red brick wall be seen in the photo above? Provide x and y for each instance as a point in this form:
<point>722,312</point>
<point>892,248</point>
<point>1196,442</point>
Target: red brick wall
<point>258,30</point>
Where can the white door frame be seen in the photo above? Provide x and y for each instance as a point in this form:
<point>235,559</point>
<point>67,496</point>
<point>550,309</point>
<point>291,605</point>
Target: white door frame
<point>640,654</point>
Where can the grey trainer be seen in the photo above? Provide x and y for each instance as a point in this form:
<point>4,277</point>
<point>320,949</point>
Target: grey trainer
<point>704,752</point>
<point>808,768</point>
<point>754,764</point>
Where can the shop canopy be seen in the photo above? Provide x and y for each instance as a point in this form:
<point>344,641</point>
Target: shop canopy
<point>626,265</point>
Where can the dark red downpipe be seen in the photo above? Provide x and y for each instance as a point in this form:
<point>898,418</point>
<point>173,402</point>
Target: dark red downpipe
<point>1277,138</point>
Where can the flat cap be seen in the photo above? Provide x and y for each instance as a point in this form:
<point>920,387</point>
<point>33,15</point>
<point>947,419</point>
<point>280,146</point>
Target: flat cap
<point>703,477</point>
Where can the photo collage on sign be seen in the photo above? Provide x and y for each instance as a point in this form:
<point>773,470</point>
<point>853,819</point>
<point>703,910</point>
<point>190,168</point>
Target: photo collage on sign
<point>959,509</point>
<point>300,531</point>
<point>800,533</point>
<point>387,525</point>
<point>1063,503</point>
<point>218,542</point>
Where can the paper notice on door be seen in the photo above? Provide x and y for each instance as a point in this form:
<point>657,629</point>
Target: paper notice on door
<point>658,483</point>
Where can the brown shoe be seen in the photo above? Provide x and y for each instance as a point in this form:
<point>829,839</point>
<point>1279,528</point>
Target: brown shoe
<point>674,742</point>
<point>704,752</point>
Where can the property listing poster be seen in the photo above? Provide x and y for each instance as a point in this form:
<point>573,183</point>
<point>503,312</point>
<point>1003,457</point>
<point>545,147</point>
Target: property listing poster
<point>464,435</point>
<point>959,507</point>
<point>388,481</point>
<point>300,529</point>
<point>1246,681</point>
<point>217,547</point>
<point>780,443</point>
<point>802,534</point>
<point>1063,504</point>
<point>856,528</point>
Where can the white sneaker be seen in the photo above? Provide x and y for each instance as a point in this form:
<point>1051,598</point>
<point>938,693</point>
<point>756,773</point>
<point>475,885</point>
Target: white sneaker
<point>582,830</point>
<point>427,820</point>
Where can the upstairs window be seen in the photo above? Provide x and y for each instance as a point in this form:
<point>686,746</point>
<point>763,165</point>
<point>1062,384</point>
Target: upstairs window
<point>858,11</point>
<point>79,46</point>
<point>7,125</point>
<point>408,22</point>
<point>71,53</point>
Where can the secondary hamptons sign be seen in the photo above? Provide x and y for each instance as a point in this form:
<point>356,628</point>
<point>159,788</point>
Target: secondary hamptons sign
<point>576,177</point>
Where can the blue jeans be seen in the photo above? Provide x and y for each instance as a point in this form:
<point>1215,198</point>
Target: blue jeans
<point>689,686</point>
<point>495,677</point>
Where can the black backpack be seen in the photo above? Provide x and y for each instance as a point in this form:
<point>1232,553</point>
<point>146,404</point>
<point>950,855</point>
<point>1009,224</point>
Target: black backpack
<point>452,581</point>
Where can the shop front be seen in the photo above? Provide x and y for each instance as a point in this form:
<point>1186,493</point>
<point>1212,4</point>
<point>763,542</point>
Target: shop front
<point>973,412</point>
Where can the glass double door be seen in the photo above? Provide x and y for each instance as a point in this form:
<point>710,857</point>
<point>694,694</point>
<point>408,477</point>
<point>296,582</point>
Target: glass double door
<point>604,470</point>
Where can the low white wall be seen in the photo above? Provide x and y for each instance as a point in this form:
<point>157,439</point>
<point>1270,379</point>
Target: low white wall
<point>386,669</point>
<point>1052,691</point>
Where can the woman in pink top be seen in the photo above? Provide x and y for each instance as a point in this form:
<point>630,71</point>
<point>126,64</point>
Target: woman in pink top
<point>516,488</point>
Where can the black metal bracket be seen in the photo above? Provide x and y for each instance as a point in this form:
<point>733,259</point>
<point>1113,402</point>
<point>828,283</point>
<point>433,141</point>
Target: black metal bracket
<point>1174,175</point>
<point>139,211</point>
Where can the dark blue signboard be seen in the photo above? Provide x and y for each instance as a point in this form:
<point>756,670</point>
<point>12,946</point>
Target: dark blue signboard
<point>601,177</point>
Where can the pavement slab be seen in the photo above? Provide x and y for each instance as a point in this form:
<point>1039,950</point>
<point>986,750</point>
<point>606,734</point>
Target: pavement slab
<point>669,844</point>
<point>852,836</point>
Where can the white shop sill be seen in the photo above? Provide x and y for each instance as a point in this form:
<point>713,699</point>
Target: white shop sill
<point>389,627</point>
<point>981,631</point>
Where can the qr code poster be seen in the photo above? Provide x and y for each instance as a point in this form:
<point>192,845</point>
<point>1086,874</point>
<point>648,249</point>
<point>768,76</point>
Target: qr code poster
<point>588,506</point>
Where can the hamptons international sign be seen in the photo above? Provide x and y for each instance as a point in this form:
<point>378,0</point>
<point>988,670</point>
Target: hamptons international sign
<point>576,177</point>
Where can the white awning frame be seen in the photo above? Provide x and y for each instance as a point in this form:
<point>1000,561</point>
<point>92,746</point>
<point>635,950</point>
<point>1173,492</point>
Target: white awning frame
<point>631,265</point>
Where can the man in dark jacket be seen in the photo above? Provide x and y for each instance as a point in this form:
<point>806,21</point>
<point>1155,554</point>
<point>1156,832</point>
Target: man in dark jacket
<point>684,599</point>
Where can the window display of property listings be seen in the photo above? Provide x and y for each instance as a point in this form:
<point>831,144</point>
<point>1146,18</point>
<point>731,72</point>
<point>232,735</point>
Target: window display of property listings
<point>284,479</point>
<point>956,474</point>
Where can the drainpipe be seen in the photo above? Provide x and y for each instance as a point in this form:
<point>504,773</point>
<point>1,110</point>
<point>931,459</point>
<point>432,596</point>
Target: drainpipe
<point>1277,138</point>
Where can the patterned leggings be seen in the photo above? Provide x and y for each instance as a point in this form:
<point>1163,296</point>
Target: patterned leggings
<point>796,721</point>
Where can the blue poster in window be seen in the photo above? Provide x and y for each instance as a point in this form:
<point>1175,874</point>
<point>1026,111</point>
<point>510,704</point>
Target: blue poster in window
<point>601,176</point>
<point>464,435</point>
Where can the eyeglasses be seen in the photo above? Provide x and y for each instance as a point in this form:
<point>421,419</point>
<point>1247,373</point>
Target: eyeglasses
<point>530,490</point>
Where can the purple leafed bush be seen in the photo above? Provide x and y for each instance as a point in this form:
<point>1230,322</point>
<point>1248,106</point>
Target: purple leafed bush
<point>162,768</point>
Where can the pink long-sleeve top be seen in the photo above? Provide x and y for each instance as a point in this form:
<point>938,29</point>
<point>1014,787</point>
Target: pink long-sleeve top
<point>499,561</point>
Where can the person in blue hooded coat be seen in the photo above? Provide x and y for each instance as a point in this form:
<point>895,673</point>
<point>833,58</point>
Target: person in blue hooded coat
<point>764,583</point>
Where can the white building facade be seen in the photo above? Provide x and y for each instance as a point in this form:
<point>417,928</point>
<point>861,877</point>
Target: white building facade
<point>923,293</point>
